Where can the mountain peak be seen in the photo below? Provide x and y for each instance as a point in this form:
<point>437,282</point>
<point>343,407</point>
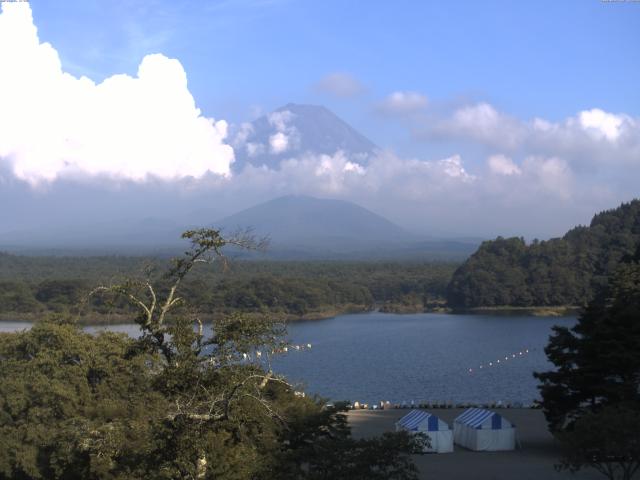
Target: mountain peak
<point>306,227</point>
<point>298,106</point>
<point>299,129</point>
<point>305,108</point>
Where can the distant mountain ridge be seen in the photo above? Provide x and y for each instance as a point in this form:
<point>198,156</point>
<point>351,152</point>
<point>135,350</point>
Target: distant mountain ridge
<point>306,227</point>
<point>301,218</point>
<point>560,271</point>
<point>294,130</point>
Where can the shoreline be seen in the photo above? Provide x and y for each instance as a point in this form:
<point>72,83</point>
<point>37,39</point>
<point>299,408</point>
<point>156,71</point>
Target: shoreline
<point>120,318</point>
<point>324,314</point>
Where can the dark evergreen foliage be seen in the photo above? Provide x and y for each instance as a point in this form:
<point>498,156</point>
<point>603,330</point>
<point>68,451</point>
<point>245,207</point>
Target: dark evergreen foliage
<point>607,441</point>
<point>560,271</point>
<point>597,361</point>
<point>592,398</point>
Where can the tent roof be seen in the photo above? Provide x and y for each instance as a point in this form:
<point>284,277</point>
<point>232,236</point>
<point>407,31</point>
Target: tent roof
<point>477,417</point>
<point>415,418</point>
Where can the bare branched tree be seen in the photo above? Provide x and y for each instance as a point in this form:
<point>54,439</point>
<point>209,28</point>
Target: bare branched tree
<point>224,379</point>
<point>206,246</point>
<point>232,338</point>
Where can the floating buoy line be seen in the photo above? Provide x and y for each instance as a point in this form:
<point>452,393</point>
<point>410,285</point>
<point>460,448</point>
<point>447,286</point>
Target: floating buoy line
<point>257,355</point>
<point>382,405</point>
<point>500,361</point>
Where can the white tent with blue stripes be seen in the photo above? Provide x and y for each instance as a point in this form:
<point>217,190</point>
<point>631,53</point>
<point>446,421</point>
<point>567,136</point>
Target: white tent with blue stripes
<point>484,430</point>
<point>439,433</point>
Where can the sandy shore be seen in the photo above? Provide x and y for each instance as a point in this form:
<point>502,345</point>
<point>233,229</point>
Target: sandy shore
<point>533,461</point>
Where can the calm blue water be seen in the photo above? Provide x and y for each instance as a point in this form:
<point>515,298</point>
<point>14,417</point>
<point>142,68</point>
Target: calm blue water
<point>423,357</point>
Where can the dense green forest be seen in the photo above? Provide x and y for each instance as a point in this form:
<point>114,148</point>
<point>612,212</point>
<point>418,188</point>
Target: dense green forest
<point>175,402</point>
<point>560,271</point>
<point>37,285</point>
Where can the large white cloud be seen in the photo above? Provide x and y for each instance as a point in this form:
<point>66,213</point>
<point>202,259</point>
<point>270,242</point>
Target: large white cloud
<point>602,124</point>
<point>55,125</point>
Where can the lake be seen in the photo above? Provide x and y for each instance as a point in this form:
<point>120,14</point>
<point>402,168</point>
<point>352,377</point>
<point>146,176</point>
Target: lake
<point>430,357</point>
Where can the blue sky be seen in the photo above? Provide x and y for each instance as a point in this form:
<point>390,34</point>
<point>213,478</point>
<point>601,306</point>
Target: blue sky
<point>486,110</point>
<point>531,58</point>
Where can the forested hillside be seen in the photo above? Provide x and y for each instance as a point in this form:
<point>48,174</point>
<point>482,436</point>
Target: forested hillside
<point>33,286</point>
<point>560,271</point>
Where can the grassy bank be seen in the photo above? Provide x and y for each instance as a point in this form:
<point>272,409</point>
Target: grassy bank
<point>546,311</point>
